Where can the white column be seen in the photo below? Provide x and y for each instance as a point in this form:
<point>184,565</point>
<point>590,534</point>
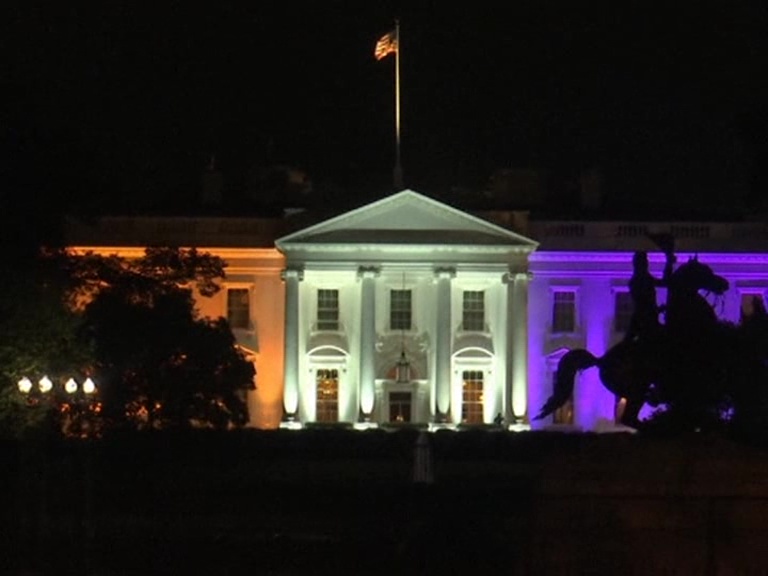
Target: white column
<point>292,277</point>
<point>443,337</point>
<point>367,340</point>
<point>516,395</point>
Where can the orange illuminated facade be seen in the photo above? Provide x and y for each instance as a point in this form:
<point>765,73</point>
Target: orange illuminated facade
<point>255,275</point>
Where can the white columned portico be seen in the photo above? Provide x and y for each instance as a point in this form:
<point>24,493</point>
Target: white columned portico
<point>367,277</point>
<point>443,337</point>
<point>402,231</point>
<point>516,400</point>
<point>292,277</point>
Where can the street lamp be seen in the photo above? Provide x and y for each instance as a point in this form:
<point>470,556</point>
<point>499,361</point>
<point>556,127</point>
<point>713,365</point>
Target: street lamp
<point>78,400</point>
<point>44,385</point>
<point>71,387</point>
<point>88,386</point>
<point>72,407</point>
<point>25,385</point>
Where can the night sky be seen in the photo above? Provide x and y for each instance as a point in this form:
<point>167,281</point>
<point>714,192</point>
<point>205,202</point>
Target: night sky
<point>112,107</point>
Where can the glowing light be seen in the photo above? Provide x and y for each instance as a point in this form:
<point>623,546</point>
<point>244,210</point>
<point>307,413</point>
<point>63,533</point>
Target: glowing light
<point>88,386</point>
<point>70,386</point>
<point>45,384</point>
<point>403,369</point>
<point>365,426</point>
<point>25,385</point>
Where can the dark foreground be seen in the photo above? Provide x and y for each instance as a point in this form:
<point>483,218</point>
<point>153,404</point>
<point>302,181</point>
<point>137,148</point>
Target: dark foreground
<point>342,502</point>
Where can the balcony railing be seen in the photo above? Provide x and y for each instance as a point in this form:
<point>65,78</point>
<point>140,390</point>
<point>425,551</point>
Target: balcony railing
<point>737,236</point>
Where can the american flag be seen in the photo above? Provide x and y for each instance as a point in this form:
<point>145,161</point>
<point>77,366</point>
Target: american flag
<point>387,44</point>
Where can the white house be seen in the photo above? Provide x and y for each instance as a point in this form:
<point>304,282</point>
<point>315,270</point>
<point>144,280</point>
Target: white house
<point>407,310</point>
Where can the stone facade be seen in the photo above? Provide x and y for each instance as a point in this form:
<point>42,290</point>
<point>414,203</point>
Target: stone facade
<point>411,311</point>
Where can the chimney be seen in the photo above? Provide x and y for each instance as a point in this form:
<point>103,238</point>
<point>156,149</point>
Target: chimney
<point>212,185</point>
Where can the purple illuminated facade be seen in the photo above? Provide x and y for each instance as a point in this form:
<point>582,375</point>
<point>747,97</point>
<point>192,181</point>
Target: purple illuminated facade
<point>584,268</point>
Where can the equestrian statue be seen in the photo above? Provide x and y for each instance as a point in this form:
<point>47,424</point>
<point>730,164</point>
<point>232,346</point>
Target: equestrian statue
<point>652,363</point>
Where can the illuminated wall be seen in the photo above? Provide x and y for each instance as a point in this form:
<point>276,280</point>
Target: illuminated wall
<point>439,253</point>
<point>595,277</point>
<point>257,270</point>
<point>409,241</point>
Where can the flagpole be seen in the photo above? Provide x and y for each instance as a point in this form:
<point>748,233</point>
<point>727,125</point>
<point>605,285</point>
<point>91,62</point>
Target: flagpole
<point>398,174</point>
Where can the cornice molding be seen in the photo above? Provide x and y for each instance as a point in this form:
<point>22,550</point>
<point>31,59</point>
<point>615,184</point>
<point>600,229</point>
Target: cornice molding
<point>626,257</point>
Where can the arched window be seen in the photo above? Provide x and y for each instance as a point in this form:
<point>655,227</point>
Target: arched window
<point>472,363</point>
<point>238,308</point>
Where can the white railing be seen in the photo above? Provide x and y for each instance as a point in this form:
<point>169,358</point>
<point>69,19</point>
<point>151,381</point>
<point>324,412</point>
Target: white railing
<point>623,234</point>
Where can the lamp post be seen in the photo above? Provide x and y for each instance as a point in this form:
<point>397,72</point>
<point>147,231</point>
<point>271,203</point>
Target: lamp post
<point>75,406</point>
<point>45,385</point>
<point>28,389</point>
<point>79,408</point>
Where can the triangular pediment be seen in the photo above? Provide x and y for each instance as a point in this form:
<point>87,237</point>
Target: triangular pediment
<point>406,218</point>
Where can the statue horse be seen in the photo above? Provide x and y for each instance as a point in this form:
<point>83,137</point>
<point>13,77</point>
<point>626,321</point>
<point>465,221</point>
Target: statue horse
<point>632,368</point>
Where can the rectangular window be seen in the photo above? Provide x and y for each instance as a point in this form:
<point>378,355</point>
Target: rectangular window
<point>239,308</point>
<point>327,309</point>
<point>750,303</point>
<point>327,399</point>
<point>622,311</point>
<point>564,312</point>
<point>473,311</point>
<point>472,397</point>
<point>400,309</point>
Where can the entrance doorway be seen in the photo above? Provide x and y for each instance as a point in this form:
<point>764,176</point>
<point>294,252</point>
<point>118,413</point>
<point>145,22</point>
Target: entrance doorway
<point>400,404</point>
<point>472,397</point>
<point>327,395</point>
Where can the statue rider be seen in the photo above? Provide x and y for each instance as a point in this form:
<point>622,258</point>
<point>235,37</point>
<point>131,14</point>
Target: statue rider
<point>642,288</point>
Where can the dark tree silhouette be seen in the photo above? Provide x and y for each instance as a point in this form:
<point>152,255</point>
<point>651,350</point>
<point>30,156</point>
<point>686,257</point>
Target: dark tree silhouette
<point>38,329</point>
<point>161,365</point>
